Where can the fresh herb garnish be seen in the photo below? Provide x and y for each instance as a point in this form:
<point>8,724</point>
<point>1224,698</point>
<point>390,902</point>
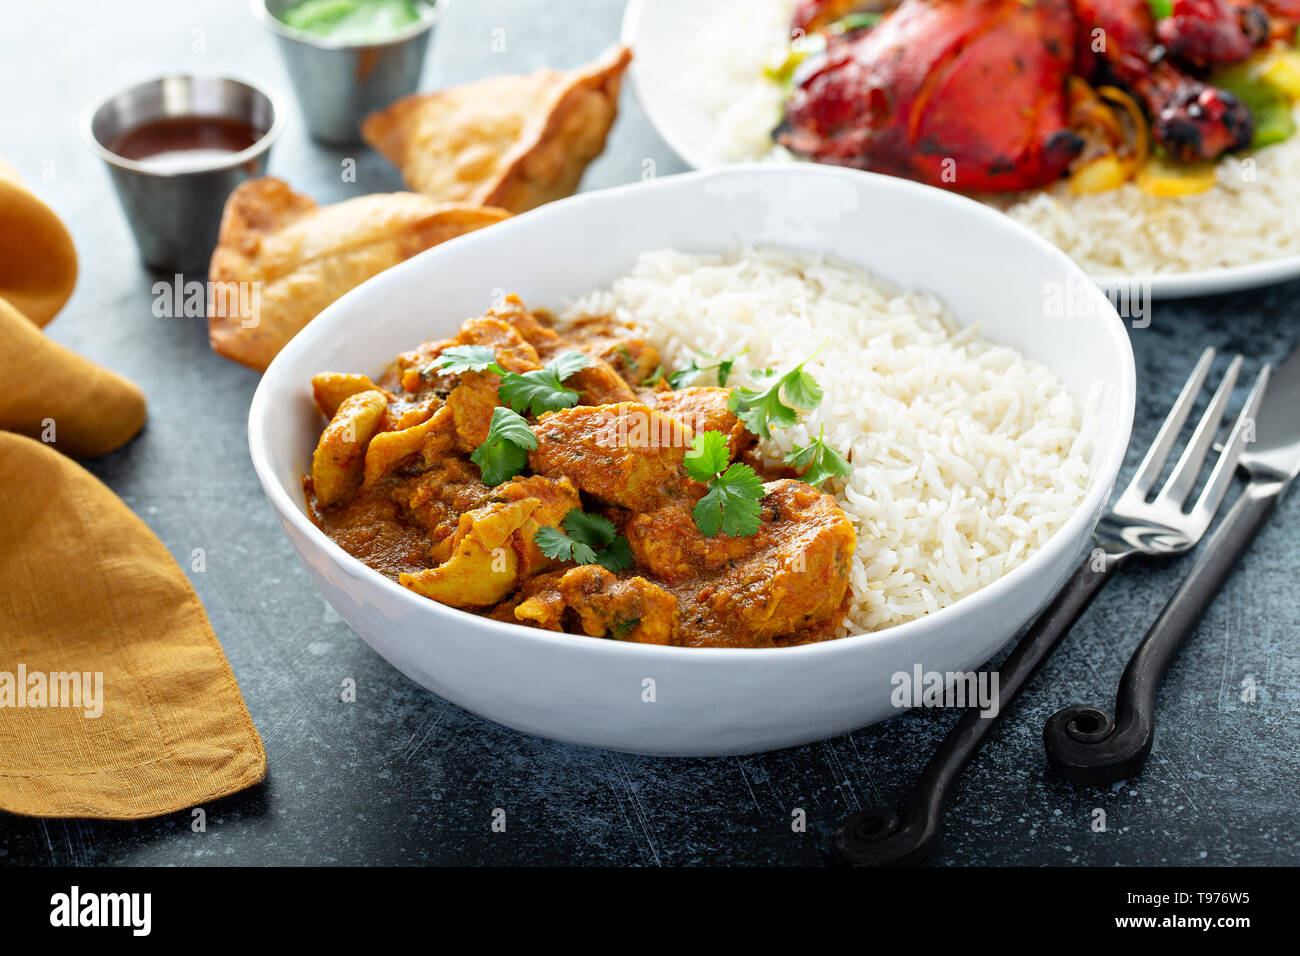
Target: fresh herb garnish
<point>534,392</point>
<point>504,452</point>
<point>734,490</point>
<point>622,629</point>
<point>655,377</point>
<point>818,460</point>
<point>685,375</point>
<point>542,389</point>
<point>459,359</point>
<point>1160,8</point>
<point>766,405</point>
<point>590,539</point>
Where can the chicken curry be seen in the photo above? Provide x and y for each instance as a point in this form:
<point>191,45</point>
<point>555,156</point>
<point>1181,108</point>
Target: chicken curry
<point>559,478</point>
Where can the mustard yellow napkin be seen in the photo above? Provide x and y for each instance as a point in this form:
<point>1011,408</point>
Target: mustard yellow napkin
<point>115,698</point>
<point>38,265</point>
<point>53,394</point>
<point>156,723</point>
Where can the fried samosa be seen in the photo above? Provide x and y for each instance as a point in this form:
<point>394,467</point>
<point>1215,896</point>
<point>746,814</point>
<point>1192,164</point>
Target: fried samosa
<point>514,141</point>
<point>281,259</point>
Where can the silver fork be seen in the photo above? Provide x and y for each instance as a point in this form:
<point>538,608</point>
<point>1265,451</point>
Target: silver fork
<point>1154,529</point>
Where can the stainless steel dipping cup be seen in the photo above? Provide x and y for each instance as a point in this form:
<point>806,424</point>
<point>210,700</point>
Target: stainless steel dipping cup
<point>175,216</point>
<point>339,84</point>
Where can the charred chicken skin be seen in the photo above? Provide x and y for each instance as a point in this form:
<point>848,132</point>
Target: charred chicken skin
<point>966,94</point>
<point>1193,121</point>
<point>972,95</point>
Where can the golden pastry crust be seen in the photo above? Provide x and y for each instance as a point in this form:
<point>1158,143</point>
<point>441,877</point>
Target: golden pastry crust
<point>300,257</point>
<point>514,141</point>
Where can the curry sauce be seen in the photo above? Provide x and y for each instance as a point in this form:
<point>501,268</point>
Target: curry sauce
<point>398,482</point>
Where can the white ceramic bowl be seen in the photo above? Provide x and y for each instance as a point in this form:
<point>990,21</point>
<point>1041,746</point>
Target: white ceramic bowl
<point>705,701</point>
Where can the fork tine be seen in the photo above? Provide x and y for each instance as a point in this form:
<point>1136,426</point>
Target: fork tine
<point>1189,465</point>
<point>1149,470</point>
<point>1221,477</point>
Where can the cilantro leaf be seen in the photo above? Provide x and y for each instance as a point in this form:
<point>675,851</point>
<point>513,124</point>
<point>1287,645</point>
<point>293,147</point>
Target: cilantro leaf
<point>761,408</point>
<point>709,455</point>
<point>775,399</point>
<point>568,363</point>
<point>542,389</point>
<point>504,452</point>
<point>818,461</point>
<point>683,376</point>
<point>732,504</point>
<point>617,556</point>
<point>801,389</point>
<point>686,374</point>
<point>724,367</point>
<point>459,359</point>
<point>586,539</point>
<point>654,377</point>
<point>554,543</point>
<point>589,529</point>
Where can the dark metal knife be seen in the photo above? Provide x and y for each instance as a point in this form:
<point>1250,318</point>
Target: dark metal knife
<point>1087,745</point>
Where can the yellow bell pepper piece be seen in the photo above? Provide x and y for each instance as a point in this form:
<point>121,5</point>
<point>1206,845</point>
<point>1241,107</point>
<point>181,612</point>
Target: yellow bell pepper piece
<point>1098,176</point>
<point>1280,69</point>
<point>1165,179</point>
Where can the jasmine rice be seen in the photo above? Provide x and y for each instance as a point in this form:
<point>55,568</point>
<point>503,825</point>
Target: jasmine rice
<point>966,455</point>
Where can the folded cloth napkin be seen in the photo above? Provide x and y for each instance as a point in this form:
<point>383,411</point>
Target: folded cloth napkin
<point>38,265</point>
<point>91,596</point>
<point>115,698</point>
<point>53,394</point>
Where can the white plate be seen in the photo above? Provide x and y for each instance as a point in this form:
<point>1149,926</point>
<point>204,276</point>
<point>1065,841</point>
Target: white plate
<point>658,32</point>
<point>706,700</point>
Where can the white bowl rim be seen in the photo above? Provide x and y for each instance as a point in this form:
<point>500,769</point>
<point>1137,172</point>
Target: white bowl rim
<point>985,599</point>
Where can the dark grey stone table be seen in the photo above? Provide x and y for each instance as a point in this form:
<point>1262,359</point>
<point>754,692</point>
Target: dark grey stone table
<point>401,776</point>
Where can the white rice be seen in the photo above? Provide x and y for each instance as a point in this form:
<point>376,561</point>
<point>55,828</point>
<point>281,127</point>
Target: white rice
<point>1252,215</point>
<point>966,455</point>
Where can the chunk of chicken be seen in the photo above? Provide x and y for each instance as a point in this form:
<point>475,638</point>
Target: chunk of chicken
<point>599,384</point>
<point>471,403</point>
<point>331,388</point>
<point>617,344</point>
<point>514,354</point>
<point>436,499</point>
<point>788,578</point>
<point>339,459</point>
<point>484,565</point>
<point>627,454</point>
<point>631,609</point>
<point>704,409</point>
<point>555,499</point>
<point>546,612</point>
<point>433,438</point>
<point>535,328</point>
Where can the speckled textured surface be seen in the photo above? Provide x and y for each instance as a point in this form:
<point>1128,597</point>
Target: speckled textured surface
<point>403,777</point>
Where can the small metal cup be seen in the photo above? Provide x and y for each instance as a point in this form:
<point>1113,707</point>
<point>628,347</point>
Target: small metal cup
<point>175,216</point>
<point>339,84</point>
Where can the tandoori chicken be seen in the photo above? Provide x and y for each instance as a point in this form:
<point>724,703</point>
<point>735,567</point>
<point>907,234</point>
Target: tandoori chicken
<point>984,95</point>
